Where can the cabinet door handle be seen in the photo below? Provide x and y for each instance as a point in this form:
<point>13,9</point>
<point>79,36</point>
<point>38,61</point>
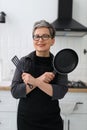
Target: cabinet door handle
<point>68,124</point>
<point>0,123</point>
<point>63,124</point>
<point>0,101</point>
<point>79,103</point>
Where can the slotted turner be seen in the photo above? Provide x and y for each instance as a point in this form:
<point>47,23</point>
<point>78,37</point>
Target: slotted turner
<point>16,62</point>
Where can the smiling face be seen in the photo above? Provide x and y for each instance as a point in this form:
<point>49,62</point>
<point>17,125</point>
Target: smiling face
<point>43,43</point>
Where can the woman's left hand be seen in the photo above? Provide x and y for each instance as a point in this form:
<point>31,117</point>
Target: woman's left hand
<point>28,78</point>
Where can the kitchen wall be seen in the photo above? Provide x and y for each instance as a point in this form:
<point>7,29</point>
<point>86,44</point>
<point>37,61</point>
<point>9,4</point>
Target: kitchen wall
<point>16,33</point>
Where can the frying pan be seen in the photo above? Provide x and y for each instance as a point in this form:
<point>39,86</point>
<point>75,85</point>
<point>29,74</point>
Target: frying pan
<point>65,61</point>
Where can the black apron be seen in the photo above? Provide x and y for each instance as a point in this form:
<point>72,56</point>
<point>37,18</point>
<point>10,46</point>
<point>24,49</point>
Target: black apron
<point>38,111</point>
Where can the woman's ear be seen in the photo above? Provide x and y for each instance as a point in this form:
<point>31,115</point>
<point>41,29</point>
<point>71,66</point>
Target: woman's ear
<point>53,42</point>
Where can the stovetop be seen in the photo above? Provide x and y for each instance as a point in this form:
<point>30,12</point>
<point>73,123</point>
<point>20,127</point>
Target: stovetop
<point>77,84</point>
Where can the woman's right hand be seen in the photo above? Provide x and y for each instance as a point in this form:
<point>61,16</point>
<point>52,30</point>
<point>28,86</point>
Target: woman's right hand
<point>46,77</point>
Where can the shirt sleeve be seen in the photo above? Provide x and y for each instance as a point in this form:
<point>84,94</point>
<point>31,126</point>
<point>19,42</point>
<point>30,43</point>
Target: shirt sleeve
<point>60,86</point>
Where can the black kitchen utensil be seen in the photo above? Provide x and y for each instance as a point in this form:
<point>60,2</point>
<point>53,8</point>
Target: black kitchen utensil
<point>18,65</point>
<point>16,62</point>
<point>65,61</point>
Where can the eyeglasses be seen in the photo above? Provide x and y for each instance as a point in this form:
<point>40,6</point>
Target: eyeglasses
<point>43,37</point>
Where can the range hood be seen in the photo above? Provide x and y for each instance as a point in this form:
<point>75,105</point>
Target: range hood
<point>64,24</point>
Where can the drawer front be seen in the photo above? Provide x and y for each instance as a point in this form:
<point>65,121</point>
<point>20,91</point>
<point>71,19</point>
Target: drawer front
<point>7,102</point>
<point>8,121</point>
<point>73,107</point>
<point>74,103</point>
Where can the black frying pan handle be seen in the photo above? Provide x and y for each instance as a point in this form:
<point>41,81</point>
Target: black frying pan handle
<point>30,85</point>
<point>54,72</point>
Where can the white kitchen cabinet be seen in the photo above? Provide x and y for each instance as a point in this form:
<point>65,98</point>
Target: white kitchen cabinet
<point>74,111</point>
<point>76,122</point>
<point>8,111</point>
<point>8,121</point>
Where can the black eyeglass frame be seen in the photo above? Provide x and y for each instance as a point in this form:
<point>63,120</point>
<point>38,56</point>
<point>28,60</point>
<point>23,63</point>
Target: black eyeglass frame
<point>43,37</point>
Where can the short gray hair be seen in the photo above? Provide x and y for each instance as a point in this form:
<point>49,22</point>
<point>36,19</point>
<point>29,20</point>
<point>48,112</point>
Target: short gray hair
<point>44,23</point>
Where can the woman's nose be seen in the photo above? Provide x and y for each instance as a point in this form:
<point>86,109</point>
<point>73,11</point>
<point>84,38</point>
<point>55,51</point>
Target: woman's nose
<point>40,39</point>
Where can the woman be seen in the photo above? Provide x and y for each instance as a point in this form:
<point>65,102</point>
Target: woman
<point>37,87</point>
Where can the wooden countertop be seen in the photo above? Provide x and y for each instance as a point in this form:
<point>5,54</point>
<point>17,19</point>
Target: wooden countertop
<point>7,88</point>
<point>78,90</point>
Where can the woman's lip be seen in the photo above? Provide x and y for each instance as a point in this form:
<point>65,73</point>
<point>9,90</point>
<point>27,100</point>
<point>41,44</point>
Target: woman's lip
<point>41,45</point>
